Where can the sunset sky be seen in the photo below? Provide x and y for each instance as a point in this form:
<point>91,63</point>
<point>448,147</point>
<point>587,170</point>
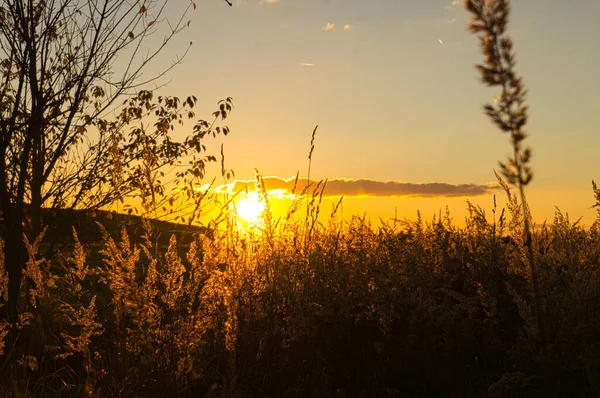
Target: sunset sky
<point>393,88</point>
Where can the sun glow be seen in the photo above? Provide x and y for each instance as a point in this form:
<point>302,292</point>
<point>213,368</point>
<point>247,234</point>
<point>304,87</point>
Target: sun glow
<point>250,207</point>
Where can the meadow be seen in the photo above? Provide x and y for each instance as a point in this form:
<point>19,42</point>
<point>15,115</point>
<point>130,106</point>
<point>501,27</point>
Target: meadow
<point>131,306</point>
<point>412,308</point>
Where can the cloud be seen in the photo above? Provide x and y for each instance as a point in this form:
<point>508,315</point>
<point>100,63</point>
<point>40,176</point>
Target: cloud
<point>268,2</point>
<point>329,26</point>
<point>451,20</point>
<point>452,5</point>
<point>336,187</point>
<point>348,26</point>
<point>307,64</point>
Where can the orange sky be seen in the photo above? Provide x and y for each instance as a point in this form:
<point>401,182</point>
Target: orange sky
<point>392,86</point>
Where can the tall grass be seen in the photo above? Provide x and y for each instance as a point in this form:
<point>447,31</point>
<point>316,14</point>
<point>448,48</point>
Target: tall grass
<point>301,308</point>
<point>409,308</point>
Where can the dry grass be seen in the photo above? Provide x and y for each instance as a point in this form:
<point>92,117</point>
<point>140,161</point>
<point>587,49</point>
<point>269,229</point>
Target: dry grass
<point>410,308</point>
<point>298,307</point>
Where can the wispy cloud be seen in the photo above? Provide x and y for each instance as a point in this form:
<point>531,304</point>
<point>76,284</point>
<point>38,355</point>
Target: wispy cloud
<point>336,187</point>
<point>348,26</point>
<point>329,26</point>
<point>452,5</point>
<point>307,64</point>
<point>268,2</point>
<point>451,20</point>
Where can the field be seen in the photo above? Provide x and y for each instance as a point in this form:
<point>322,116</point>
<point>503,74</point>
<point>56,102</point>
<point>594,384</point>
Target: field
<point>344,309</point>
<point>307,305</point>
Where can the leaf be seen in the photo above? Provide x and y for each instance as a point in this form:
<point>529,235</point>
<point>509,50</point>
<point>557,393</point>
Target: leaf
<point>130,34</point>
<point>194,4</point>
<point>142,9</point>
<point>151,23</point>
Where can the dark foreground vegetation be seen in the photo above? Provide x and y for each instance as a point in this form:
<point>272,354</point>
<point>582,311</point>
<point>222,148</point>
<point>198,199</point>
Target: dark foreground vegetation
<point>418,309</point>
<point>134,307</point>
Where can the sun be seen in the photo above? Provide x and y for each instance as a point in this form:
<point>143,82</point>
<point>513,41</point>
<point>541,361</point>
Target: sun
<point>250,207</point>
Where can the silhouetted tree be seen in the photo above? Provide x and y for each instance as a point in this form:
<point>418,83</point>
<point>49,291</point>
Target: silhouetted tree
<point>63,65</point>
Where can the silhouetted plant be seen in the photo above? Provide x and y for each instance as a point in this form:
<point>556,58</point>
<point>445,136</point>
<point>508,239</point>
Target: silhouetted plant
<point>60,79</point>
<point>298,306</point>
<point>509,112</point>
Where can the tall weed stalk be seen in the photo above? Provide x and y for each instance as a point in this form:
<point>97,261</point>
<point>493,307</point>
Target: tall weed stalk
<point>509,113</point>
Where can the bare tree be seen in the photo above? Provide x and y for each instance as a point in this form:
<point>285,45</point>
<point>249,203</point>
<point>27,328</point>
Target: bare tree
<point>63,65</point>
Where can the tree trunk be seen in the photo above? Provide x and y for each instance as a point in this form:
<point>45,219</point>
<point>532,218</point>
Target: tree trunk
<point>35,208</point>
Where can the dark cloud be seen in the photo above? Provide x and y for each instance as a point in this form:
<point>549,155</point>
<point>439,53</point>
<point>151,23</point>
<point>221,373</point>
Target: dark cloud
<point>366,187</point>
